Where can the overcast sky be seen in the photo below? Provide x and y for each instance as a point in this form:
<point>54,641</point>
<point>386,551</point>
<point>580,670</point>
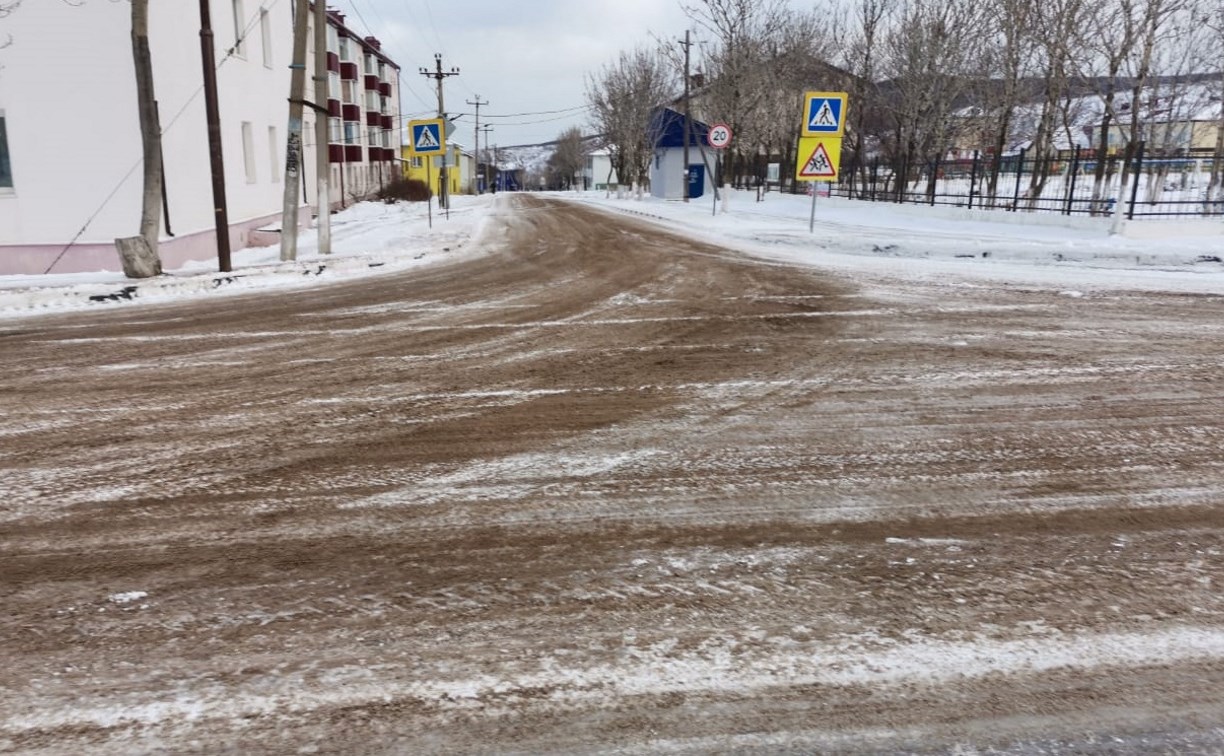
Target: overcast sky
<point>523,56</point>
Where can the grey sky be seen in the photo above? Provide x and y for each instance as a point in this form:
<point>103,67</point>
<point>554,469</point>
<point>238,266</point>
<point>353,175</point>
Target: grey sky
<point>523,57</point>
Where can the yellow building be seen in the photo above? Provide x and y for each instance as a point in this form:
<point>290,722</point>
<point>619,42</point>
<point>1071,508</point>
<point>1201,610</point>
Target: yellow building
<point>458,169</point>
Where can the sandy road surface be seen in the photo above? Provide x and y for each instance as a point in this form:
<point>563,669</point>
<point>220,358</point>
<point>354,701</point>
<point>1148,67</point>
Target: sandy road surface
<point>609,490</point>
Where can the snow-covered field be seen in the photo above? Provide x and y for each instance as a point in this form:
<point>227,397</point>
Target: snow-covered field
<point>1031,249</point>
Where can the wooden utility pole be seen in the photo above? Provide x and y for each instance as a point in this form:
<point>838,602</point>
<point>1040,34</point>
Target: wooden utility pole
<point>322,158</point>
<point>138,254</point>
<point>213,114</point>
<point>487,130</point>
<point>688,115</point>
<point>476,152</point>
<point>439,75</point>
<point>293,143</point>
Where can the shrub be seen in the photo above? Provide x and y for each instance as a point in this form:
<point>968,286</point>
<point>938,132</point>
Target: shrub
<point>405,190</point>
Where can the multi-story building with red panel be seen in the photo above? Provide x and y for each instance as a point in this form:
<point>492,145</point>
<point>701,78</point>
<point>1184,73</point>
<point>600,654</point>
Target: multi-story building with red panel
<point>363,112</point>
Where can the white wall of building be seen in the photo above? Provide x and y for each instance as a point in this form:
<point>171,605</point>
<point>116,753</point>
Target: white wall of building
<point>68,92</point>
<point>667,173</point>
<point>599,171</point>
<point>68,96</point>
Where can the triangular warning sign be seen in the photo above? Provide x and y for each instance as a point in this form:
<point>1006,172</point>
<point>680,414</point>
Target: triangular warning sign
<point>426,140</point>
<point>824,117</point>
<point>818,165</point>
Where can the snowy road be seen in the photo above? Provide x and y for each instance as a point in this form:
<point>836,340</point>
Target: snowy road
<point>605,489</point>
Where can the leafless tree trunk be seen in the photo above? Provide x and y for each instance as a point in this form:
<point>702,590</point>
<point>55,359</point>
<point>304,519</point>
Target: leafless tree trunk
<point>139,253</point>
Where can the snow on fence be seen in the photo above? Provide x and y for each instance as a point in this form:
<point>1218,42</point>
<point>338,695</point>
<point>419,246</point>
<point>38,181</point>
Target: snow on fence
<point>1075,184</point>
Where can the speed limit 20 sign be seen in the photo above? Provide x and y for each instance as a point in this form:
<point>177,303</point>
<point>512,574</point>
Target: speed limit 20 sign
<point>719,136</point>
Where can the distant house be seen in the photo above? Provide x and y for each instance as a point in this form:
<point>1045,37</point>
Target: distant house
<point>459,169</point>
<point>669,131</point>
<point>599,173</point>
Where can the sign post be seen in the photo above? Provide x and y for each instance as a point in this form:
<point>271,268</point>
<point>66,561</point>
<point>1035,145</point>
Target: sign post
<point>719,138</point>
<point>427,138</point>
<point>819,154</point>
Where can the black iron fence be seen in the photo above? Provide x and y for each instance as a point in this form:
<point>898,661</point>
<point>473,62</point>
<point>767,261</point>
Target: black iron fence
<point>1077,183</point>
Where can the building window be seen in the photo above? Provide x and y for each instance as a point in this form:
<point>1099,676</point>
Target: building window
<point>371,101</point>
<point>417,162</point>
<point>265,32</point>
<point>248,152</point>
<point>346,49</point>
<point>333,130</point>
<point>333,85</point>
<point>6,168</point>
<point>239,30</point>
<point>369,64</point>
<point>351,132</point>
<point>350,92</point>
<point>382,71</point>
<point>333,38</point>
<point>273,152</point>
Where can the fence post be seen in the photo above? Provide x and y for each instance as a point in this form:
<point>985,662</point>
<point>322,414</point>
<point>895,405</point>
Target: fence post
<point>973,178</point>
<point>1130,215</point>
<point>1019,173</point>
<point>875,177</point>
<point>1074,175</point>
<point>934,180</point>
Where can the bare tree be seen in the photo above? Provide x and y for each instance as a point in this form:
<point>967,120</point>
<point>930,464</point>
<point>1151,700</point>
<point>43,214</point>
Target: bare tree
<point>745,37</point>
<point>5,10</point>
<point>866,27</point>
<point>1007,56</point>
<point>928,54</point>
<point>1214,20</point>
<point>623,96</point>
<point>1057,30</point>
<point>139,253</point>
<point>567,159</point>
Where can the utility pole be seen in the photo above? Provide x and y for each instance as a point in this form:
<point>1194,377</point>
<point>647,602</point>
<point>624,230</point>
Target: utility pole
<point>322,158</point>
<point>487,130</point>
<point>439,75</point>
<point>478,103</point>
<point>688,115</point>
<point>293,144</point>
<point>213,114</point>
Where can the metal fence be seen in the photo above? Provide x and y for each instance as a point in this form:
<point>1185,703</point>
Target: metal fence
<point>1078,183</point>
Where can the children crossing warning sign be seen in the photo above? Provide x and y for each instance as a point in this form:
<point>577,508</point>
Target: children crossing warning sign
<point>818,159</point>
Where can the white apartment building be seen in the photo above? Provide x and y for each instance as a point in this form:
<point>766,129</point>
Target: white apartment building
<point>70,154</point>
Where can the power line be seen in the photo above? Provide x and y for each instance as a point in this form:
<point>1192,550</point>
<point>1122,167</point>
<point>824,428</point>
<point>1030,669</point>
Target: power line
<point>539,112</point>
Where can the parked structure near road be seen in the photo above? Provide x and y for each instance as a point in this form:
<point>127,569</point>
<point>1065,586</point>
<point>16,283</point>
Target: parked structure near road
<point>669,130</point>
<point>61,207</point>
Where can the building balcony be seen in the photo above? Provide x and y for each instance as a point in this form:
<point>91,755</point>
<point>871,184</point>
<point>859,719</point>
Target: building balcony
<point>373,119</point>
<point>371,82</point>
<point>335,153</point>
<point>351,112</point>
<point>333,108</point>
<point>384,88</point>
<point>333,62</point>
<point>348,71</point>
<point>352,153</point>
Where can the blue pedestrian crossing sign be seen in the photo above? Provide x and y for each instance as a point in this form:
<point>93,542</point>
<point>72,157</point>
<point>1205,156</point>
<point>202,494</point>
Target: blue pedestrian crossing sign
<point>426,137</point>
<point>824,114</point>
